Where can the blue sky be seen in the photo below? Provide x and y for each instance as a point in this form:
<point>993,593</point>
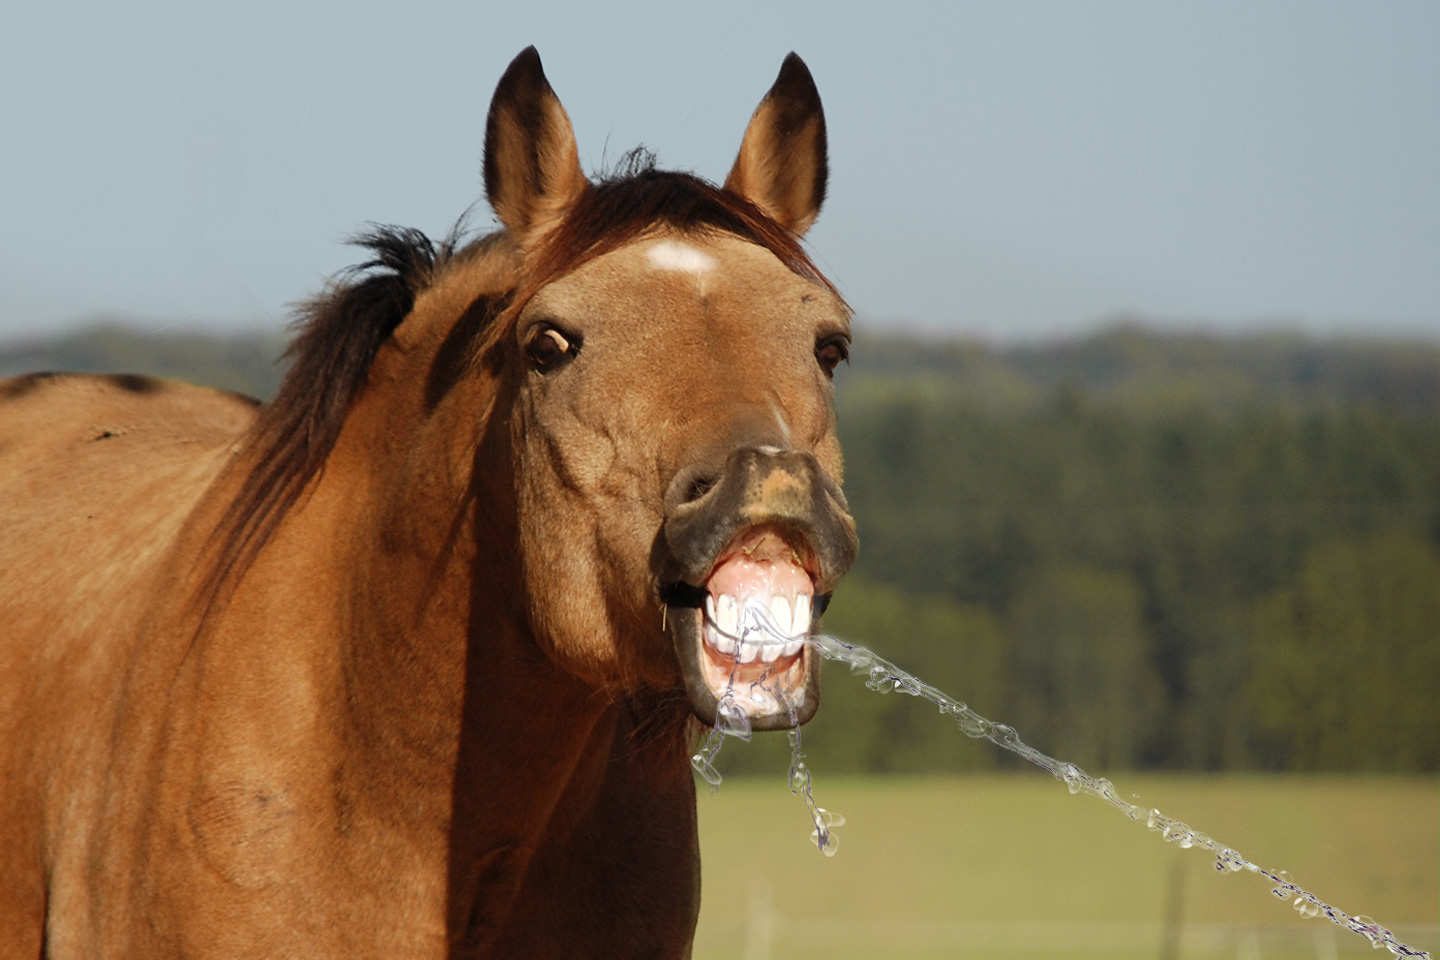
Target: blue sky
<point>1012,170</point>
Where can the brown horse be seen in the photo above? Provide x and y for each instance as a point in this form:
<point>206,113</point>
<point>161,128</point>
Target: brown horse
<point>407,663</point>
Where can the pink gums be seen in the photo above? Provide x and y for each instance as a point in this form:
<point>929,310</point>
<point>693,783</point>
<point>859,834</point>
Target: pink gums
<point>761,565</point>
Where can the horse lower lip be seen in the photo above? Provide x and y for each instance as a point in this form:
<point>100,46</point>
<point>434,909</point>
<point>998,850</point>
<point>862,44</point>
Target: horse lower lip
<point>776,696</point>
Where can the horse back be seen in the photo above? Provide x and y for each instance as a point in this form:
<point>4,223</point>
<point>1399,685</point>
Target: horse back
<point>96,470</point>
<point>97,477</point>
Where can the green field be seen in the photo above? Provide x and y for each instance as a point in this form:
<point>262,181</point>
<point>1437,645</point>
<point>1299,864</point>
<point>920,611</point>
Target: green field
<point>1013,866</point>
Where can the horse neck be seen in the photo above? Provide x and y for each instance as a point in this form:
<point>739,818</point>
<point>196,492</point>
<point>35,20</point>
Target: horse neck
<point>391,593</point>
<point>380,653</point>
<point>440,667</point>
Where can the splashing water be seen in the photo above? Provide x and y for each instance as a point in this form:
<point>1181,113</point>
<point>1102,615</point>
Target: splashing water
<point>758,626</point>
<point>882,676</point>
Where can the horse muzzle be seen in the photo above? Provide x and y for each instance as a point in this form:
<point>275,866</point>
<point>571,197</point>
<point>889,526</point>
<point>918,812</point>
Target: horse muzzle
<point>749,560</point>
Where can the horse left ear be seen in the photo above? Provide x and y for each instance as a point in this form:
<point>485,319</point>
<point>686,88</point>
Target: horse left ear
<point>781,167</point>
<point>532,166</point>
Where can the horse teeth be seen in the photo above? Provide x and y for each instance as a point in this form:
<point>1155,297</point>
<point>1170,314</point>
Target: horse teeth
<point>802,615</point>
<point>710,607</point>
<point>780,609</point>
<point>728,619</point>
<point>770,651</point>
<point>747,652</point>
<point>724,644</point>
<point>793,647</point>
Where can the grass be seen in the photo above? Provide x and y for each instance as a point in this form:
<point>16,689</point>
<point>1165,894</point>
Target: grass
<point>1013,866</point>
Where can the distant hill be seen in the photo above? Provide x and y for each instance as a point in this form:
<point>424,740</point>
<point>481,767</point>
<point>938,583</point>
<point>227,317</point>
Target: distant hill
<point>1129,364</point>
<point>1123,365</point>
<point>244,362</point>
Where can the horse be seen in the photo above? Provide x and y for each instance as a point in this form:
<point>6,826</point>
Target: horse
<point>410,660</point>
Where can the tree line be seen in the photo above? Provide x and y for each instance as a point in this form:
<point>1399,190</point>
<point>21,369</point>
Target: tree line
<point>1141,550</point>
<point>1147,551</point>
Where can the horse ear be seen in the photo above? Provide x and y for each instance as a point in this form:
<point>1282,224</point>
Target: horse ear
<point>782,167</point>
<point>532,167</point>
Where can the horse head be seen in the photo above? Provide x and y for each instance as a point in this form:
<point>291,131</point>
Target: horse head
<point>669,350</point>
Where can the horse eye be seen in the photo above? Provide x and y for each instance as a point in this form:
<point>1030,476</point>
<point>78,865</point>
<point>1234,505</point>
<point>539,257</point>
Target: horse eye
<point>831,352</point>
<point>547,347</point>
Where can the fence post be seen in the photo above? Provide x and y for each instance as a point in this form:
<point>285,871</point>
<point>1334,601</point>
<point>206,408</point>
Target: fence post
<point>759,922</point>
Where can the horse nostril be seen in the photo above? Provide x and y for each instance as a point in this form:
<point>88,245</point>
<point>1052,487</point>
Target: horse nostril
<point>698,487</point>
<point>691,484</point>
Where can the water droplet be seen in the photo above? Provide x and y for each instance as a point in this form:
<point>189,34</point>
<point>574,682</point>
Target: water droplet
<point>972,726</point>
<point>799,778</point>
<point>860,665</point>
<point>827,841</point>
<point>732,720</point>
<point>1228,861</point>
<point>829,818</point>
<point>705,769</point>
<point>1287,887</point>
<point>1306,909</point>
<point>1072,777</point>
<point>1178,833</point>
<point>1004,734</point>
<point>1365,926</point>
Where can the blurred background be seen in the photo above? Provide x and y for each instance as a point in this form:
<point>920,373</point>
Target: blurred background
<point>1142,424</point>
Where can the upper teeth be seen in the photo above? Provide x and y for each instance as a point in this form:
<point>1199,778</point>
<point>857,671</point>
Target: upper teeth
<point>780,609</point>
<point>747,639</point>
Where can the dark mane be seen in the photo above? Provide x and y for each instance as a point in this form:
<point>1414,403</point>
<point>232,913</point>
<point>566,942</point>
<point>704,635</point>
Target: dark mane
<point>342,330</point>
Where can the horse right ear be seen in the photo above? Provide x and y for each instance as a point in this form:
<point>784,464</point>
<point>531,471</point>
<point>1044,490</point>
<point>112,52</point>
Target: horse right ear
<point>532,166</point>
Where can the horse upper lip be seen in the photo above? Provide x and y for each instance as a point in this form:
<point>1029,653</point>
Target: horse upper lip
<point>787,491</point>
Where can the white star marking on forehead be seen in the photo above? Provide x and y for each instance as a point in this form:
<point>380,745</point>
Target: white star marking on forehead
<point>671,255</point>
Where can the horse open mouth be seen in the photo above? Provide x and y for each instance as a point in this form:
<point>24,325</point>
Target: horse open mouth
<point>743,641</point>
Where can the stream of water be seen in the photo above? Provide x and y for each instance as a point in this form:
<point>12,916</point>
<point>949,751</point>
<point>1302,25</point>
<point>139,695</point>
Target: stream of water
<point>758,627</point>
